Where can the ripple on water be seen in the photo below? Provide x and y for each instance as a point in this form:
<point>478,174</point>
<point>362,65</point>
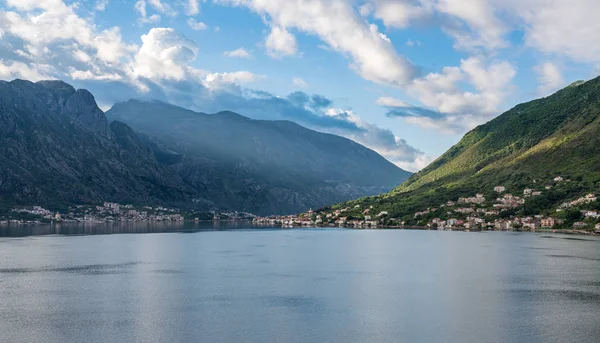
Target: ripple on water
<point>88,269</point>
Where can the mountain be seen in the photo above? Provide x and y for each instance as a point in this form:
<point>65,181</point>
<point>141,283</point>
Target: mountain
<point>527,146</point>
<point>265,167</point>
<point>56,147</point>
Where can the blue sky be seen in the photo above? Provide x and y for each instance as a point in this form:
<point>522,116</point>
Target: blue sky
<point>406,78</point>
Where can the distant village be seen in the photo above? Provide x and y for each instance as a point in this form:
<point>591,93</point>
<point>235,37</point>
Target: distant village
<point>114,212</point>
<point>470,213</point>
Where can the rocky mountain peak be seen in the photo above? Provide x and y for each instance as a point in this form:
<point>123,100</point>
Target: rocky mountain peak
<point>82,106</point>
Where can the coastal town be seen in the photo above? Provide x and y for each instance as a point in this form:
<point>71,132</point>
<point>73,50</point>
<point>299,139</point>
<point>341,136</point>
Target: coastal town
<point>498,210</point>
<point>470,213</point>
<point>109,212</point>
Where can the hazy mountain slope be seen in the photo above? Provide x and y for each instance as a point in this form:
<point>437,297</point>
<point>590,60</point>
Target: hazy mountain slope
<point>538,140</point>
<point>261,166</point>
<point>56,147</point>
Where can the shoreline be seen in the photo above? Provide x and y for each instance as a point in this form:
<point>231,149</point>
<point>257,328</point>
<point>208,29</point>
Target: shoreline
<point>266,226</point>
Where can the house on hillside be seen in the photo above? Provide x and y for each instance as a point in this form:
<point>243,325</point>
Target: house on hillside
<point>579,225</point>
<point>499,189</point>
<point>532,225</point>
<point>548,222</point>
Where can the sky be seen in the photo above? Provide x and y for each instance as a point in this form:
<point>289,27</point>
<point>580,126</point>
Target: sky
<point>406,78</point>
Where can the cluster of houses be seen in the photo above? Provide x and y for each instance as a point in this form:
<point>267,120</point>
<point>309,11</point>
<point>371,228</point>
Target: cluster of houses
<point>115,212</point>
<point>107,212</point>
<point>466,213</point>
<point>577,202</point>
<point>476,218</point>
<point>335,218</point>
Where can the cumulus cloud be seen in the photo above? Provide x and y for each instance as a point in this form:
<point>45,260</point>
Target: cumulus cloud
<point>240,53</point>
<point>164,54</point>
<point>401,13</point>
<point>299,82</point>
<point>100,5</point>
<point>560,27</point>
<point>18,70</point>
<point>141,8</point>
<point>220,80</point>
<point>196,25</point>
<point>566,28</point>
<point>549,78</point>
<point>447,105</point>
<point>472,23</point>
<point>193,7</point>
<point>391,102</point>
<point>339,25</point>
<point>161,7</point>
<point>281,43</point>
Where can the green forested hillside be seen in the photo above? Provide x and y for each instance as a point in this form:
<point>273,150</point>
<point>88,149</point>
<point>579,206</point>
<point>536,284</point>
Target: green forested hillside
<point>529,145</point>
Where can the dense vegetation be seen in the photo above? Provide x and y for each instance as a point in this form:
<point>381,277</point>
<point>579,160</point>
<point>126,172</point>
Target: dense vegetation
<point>525,147</point>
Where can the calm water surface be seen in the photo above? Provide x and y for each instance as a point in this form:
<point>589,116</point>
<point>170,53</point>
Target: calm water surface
<point>299,286</point>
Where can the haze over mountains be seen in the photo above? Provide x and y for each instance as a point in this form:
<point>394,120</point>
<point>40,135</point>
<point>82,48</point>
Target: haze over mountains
<point>57,147</point>
<point>527,146</point>
<point>242,162</point>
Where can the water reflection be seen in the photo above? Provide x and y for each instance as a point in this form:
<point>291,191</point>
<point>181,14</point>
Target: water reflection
<point>248,285</point>
<point>18,230</point>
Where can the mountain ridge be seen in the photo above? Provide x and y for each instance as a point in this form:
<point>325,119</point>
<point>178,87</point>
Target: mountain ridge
<point>533,142</point>
<point>293,157</point>
<point>57,147</point>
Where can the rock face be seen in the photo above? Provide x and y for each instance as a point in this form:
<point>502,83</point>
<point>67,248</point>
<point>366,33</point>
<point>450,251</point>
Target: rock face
<point>57,147</point>
<point>264,167</point>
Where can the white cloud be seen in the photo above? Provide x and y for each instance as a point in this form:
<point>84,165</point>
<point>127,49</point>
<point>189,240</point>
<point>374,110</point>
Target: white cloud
<point>196,25</point>
<point>162,8</point>
<point>391,102</point>
<point>568,28</point>
<point>400,13</point>
<point>164,55</point>
<point>193,7</point>
<point>340,26</point>
<point>76,74</point>
<point>241,53</point>
<point>50,23</point>
<point>365,9</point>
<point>100,5</point>
<point>447,106</point>
<point>476,23</point>
<point>411,43</point>
<point>218,80</point>
<point>18,70</point>
<point>298,82</point>
<point>140,7</point>
<point>549,78</point>
<point>442,92</point>
<point>281,43</point>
